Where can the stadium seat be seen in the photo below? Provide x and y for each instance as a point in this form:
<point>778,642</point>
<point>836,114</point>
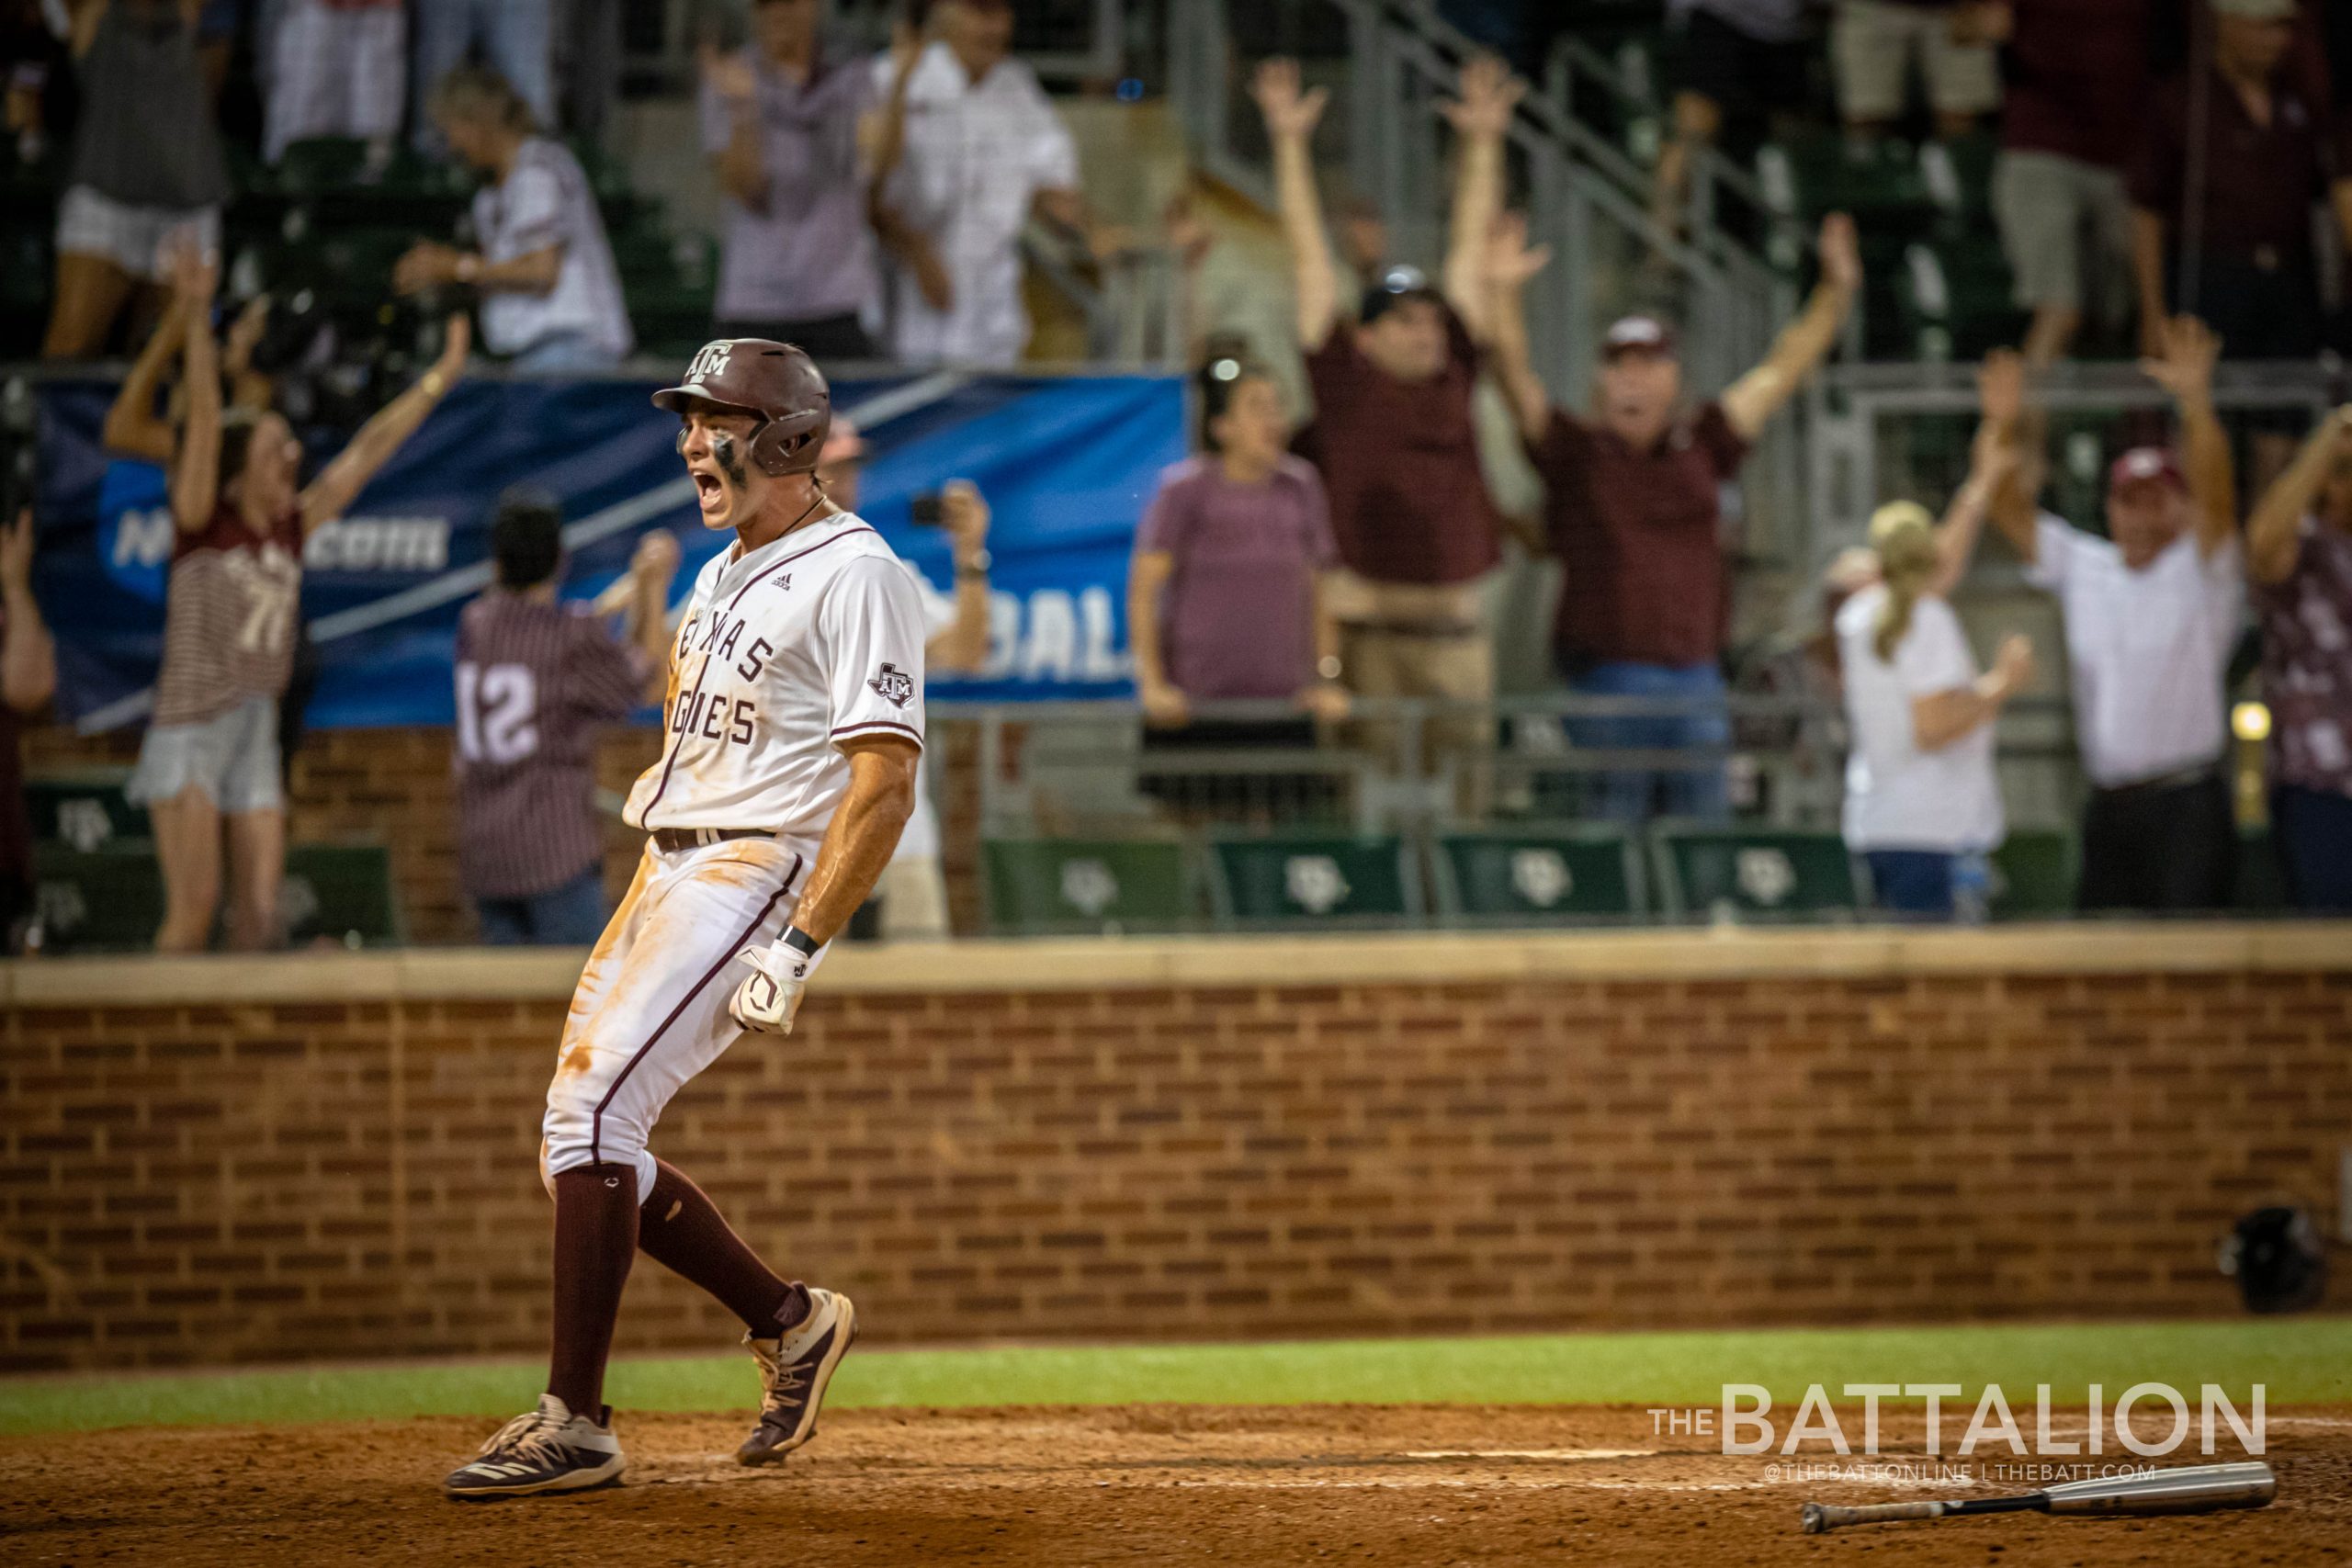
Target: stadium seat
<point>1819,171</point>
<point>86,812</point>
<point>1567,874</point>
<point>2034,872</point>
<point>26,268</point>
<point>1037,885</point>
<point>1959,179</point>
<point>1739,873</point>
<point>1956,300</point>
<point>111,898</point>
<point>1314,880</point>
<point>2261,884</point>
<point>100,900</point>
<point>340,892</point>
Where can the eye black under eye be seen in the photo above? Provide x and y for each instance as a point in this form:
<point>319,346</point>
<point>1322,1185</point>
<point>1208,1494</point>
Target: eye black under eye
<point>680,442</point>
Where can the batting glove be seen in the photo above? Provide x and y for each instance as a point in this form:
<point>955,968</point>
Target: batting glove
<point>770,996</point>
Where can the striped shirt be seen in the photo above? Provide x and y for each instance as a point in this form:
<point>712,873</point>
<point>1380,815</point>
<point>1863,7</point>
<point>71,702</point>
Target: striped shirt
<point>229,616</point>
<point>533,682</point>
<point>543,201</point>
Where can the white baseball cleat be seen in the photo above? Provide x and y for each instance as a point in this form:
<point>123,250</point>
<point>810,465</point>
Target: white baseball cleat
<point>546,1449</point>
<point>794,1370</point>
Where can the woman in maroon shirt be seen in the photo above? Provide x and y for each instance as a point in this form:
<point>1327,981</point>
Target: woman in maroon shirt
<point>1225,597</point>
<point>210,751</point>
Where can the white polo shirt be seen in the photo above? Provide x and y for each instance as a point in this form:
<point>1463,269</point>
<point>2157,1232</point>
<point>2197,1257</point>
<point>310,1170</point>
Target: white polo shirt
<point>782,655</point>
<point>977,153</point>
<point>546,200</point>
<point>1898,796</point>
<point>2147,650</point>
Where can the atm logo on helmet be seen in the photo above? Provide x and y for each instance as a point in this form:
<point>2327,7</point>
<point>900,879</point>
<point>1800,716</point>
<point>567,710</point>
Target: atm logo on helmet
<point>711,361</point>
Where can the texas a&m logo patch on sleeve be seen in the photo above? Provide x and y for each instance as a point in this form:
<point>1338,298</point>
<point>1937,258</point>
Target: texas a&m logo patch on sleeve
<point>895,685</point>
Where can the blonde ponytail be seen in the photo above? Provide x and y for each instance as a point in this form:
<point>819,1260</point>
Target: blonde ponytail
<point>1903,536</point>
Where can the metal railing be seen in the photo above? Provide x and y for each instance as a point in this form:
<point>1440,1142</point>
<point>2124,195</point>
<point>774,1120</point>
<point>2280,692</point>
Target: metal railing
<point>1887,431</point>
<point>1047,769</point>
<point>1585,197</point>
<point>1132,306</point>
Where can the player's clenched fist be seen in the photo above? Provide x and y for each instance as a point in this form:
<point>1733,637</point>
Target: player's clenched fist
<point>770,996</point>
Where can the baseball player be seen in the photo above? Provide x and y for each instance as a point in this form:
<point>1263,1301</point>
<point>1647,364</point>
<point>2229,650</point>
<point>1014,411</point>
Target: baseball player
<point>795,731</point>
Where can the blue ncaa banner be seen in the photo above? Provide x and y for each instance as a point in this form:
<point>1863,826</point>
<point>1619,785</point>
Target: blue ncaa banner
<point>1067,466</point>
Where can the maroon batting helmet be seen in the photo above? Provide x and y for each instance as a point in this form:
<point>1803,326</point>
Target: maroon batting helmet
<point>775,383</point>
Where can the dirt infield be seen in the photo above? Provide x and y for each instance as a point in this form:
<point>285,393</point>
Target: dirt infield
<point>1383,1485</point>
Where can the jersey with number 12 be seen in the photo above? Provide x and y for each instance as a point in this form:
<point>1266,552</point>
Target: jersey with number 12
<point>783,655</point>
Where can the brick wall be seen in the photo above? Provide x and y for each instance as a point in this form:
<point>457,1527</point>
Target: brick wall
<point>392,786</point>
<point>218,1180</point>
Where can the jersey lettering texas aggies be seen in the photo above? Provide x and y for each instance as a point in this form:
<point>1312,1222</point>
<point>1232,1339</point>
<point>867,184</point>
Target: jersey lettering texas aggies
<point>782,653</point>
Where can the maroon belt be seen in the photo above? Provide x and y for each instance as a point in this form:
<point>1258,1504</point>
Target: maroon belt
<point>670,841</point>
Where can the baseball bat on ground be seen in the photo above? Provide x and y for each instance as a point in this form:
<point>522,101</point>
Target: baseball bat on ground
<point>2195,1489</point>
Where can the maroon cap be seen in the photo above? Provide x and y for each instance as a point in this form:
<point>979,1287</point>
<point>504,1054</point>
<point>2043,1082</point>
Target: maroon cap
<point>1639,335</point>
<point>2142,465</point>
<point>774,382</point>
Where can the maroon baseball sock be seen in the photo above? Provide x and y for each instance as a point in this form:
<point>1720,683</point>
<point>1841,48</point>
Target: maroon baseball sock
<point>596,1241</point>
<point>683,1229</point>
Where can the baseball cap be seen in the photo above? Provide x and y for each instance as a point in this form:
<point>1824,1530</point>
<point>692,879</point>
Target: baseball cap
<point>2142,465</point>
<point>1639,335</point>
<point>2257,11</point>
<point>1395,286</point>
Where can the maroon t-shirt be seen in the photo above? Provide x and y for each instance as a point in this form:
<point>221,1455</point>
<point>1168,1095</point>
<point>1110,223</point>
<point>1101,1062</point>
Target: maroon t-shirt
<point>533,682</point>
<point>1638,534</point>
<point>2261,181</point>
<point>1237,621</point>
<point>1400,464</point>
<point>2078,79</point>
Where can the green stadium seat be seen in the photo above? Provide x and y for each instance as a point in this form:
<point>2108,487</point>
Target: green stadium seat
<point>1039,885</point>
<point>1955,299</point>
<point>1567,874</point>
<point>1959,179</point>
<point>340,892</point>
<point>317,164</point>
<point>2261,880</point>
<point>1314,880</point>
<point>86,812</point>
<point>1879,181</point>
<point>109,899</point>
<point>2034,872</point>
<point>1740,874</point>
<point>26,269</point>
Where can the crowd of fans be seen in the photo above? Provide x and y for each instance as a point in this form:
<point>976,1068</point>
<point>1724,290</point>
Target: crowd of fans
<point>1331,547</point>
<point>2155,155</point>
<point>2203,211</point>
<point>874,206</point>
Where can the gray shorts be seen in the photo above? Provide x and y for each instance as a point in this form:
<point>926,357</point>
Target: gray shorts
<point>232,758</point>
<point>2066,227</point>
<point>89,224</point>
<point>1872,45</point>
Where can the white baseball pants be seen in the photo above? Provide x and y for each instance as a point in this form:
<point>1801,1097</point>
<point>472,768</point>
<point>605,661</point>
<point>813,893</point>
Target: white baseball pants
<point>651,1009</point>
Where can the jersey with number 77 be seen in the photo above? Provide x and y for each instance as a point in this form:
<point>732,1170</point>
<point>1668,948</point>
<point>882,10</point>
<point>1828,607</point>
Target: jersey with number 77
<point>784,654</point>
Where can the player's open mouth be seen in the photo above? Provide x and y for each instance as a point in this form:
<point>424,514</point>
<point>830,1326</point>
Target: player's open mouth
<point>708,491</point>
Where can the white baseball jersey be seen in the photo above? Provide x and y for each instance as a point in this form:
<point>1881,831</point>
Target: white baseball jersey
<point>782,654</point>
